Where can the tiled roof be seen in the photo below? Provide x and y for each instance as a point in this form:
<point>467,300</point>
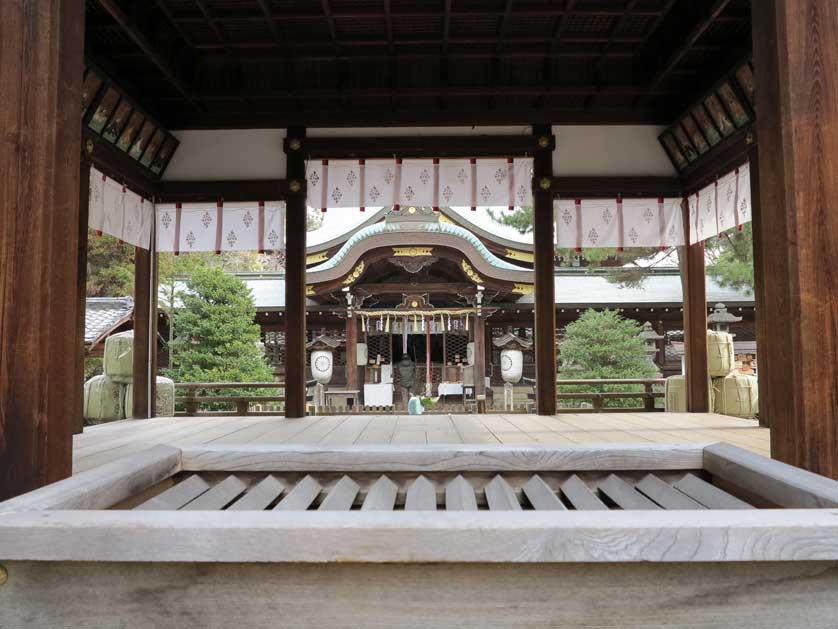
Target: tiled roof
<point>101,314</point>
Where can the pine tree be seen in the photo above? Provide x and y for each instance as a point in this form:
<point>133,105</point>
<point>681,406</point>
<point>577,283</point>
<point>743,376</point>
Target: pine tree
<point>604,345</point>
<point>217,340</point>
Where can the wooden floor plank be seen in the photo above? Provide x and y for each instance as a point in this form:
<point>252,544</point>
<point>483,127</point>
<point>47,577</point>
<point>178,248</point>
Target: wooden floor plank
<point>101,444</point>
<point>379,431</point>
<point>218,496</point>
<point>260,496</point>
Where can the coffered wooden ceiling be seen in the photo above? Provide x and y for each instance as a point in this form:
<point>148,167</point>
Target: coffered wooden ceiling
<point>251,63</point>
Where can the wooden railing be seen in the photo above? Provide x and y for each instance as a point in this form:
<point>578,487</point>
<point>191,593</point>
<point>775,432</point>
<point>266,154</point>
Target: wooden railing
<point>191,403</point>
<point>648,395</point>
<point>194,402</point>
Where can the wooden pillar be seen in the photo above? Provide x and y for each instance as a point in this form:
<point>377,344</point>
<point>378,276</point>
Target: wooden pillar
<point>81,291</point>
<point>693,282</point>
<point>796,64</point>
<point>545,306</point>
<point>41,63</point>
<point>763,341</point>
<point>351,351</point>
<point>480,360</point>
<point>145,334</point>
<point>295,278</point>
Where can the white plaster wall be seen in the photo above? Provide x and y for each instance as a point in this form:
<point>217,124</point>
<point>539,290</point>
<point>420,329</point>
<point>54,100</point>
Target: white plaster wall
<point>627,150</point>
<point>228,154</point>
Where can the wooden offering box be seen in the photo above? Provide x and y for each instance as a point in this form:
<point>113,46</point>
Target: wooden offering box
<point>448,536</point>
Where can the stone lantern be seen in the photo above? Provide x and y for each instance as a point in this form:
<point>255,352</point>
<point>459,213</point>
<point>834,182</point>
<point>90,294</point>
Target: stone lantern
<point>650,340</point>
<point>720,319</point>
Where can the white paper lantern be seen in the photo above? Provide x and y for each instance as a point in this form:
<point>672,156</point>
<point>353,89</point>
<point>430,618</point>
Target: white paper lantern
<point>362,354</point>
<point>322,366</point>
<point>512,365</point>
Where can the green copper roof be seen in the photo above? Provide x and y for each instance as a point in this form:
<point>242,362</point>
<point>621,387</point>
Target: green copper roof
<point>414,227</point>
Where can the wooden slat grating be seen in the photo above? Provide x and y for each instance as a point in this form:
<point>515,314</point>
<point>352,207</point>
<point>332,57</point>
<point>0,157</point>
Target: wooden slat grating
<point>451,491</point>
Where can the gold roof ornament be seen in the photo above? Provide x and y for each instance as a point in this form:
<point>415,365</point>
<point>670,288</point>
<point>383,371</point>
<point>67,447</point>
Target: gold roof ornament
<point>356,273</point>
<point>412,252</point>
<point>470,272</point>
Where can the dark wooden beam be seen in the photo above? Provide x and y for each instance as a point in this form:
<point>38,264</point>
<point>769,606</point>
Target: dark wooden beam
<point>430,146</point>
<point>764,342</point>
<point>81,290</point>
<point>796,68</point>
<point>40,106</point>
<point>480,360</point>
<point>149,49</point>
<point>686,43</point>
<point>427,41</point>
<point>145,330</point>
<point>544,267</point>
<point>731,153</point>
<point>269,19</point>
<point>239,190</point>
<point>352,381</point>
<point>118,165</point>
<point>322,116</point>
<point>330,21</point>
<point>166,11</point>
<point>611,187</point>
<point>295,279</point>
<point>695,321</point>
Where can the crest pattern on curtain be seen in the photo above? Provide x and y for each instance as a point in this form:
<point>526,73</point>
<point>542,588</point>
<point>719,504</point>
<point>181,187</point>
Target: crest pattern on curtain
<point>724,204</point>
<point>420,182</point>
<point>119,212</point>
<point>618,223</point>
<point>253,226</point>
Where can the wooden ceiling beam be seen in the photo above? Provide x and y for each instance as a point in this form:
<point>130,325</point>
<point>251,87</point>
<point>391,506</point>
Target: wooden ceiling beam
<point>269,19</point>
<point>426,146</point>
<point>149,49</point>
<point>431,41</point>
<point>327,11</point>
<point>431,91</point>
<point>697,31</point>
<point>167,12</point>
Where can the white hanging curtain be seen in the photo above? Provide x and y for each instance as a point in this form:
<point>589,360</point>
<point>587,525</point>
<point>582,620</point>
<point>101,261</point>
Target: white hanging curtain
<point>115,210</point>
<point>419,182</point>
<point>723,205</point>
<point>254,226</point>
<point>618,223</point>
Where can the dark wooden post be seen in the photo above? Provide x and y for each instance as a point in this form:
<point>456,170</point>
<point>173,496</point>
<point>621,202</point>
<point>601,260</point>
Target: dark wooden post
<point>695,321</point>
<point>545,306</point>
<point>351,351</point>
<point>40,108</point>
<point>81,290</point>
<point>764,343</point>
<point>295,277</point>
<point>480,360</point>
<point>145,334</point>
<point>796,62</point>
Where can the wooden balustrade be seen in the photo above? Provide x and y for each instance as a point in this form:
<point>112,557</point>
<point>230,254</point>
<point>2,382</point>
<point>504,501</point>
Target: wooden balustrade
<point>598,398</point>
<point>191,402</point>
<point>199,395</point>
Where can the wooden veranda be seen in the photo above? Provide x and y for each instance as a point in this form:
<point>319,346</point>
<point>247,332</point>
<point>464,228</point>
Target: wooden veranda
<point>225,102</point>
